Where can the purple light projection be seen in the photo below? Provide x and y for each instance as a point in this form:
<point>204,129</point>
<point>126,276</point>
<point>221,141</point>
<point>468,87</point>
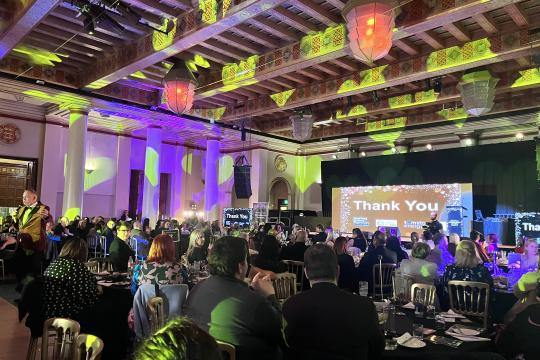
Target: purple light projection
<point>211,189</point>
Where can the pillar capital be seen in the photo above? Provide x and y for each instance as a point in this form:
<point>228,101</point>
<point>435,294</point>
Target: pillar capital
<point>79,110</point>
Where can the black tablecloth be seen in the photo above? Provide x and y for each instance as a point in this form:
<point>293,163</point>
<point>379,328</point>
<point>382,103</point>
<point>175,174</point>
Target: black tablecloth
<point>501,303</point>
<point>433,351</point>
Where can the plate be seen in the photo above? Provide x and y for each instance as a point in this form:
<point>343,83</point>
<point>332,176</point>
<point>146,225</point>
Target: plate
<point>412,343</point>
<point>460,330</point>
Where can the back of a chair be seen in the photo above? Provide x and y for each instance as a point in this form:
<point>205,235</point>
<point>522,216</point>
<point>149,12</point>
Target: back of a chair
<point>402,286</point>
<point>284,286</point>
<point>470,298</point>
<point>103,264</point>
<point>297,268</point>
<point>87,347</point>
<point>423,293</point>
<point>227,351</point>
<point>156,313</point>
<point>63,333</point>
<point>93,266</point>
<point>387,273</point>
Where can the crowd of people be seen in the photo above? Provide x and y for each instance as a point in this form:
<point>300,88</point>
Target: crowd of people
<point>247,314</point>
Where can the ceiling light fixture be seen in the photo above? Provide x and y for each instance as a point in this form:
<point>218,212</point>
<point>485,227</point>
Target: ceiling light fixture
<point>429,147</point>
<point>363,154</point>
<point>519,136</point>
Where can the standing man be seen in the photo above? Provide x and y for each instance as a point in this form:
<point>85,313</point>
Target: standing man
<point>120,251</point>
<point>30,220</point>
<point>434,226</point>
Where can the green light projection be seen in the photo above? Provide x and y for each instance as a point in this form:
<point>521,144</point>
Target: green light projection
<point>460,55</point>
<point>308,171</point>
<point>161,40</point>
<point>187,163</point>
<point>211,114</point>
<point>355,111</point>
<point>226,167</point>
<point>151,167</point>
<point>138,75</point>
<point>197,61</point>
<point>458,115</point>
<point>72,212</point>
<point>98,84</point>
<point>65,100</point>
<point>209,9</point>
<point>39,56</point>
<point>527,77</point>
<point>370,77</point>
<point>323,42</point>
<point>235,72</point>
<point>387,138</point>
<point>100,170</point>
<point>281,98</point>
<point>422,97</point>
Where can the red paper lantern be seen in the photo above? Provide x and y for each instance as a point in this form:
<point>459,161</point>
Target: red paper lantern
<point>369,25</point>
<point>179,89</point>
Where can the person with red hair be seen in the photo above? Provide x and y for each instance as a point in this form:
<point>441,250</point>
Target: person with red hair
<point>160,267</point>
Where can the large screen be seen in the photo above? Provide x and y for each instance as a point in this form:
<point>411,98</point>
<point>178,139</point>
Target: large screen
<point>242,216</point>
<point>528,225</point>
<point>406,207</point>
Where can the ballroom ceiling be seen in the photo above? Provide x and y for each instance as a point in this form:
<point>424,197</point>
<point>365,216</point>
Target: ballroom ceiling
<point>261,61</point>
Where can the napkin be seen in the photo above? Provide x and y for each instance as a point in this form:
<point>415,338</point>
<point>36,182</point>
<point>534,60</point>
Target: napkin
<point>407,339</point>
<point>466,338</point>
<point>452,314</point>
<point>409,305</point>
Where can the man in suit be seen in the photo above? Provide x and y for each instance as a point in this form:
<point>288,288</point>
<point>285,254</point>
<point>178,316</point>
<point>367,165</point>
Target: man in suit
<point>372,258</point>
<point>296,248</point>
<point>120,251</point>
<point>321,235</point>
<point>30,220</point>
<point>331,313</point>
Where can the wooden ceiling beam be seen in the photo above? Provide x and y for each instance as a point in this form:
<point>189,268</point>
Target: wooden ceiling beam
<point>274,28</point>
<point>316,11</point>
<point>157,8</point>
<point>235,96</point>
<point>239,43</point>
<point>458,32</point>
<point>79,40</point>
<point>407,46</point>
<point>49,46</point>
<point>517,14</point>
<point>257,36</point>
<point>430,38</point>
<point>248,93</point>
<point>294,20</point>
<point>296,78</point>
<point>391,56</point>
<point>311,74</point>
<point>270,86</point>
<point>338,4</point>
<point>329,69</point>
<point>56,43</point>
<point>259,89</point>
<point>487,23</point>
<point>523,61</point>
<point>211,55</point>
<point>226,50</point>
<point>345,63</point>
<point>283,82</point>
<point>67,26</point>
<point>24,21</point>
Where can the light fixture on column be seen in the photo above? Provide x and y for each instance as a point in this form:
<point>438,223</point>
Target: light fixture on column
<point>369,28</point>
<point>302,124</point>
<point>179,84</point>
<point>519,136</point>
<point>477,90</point>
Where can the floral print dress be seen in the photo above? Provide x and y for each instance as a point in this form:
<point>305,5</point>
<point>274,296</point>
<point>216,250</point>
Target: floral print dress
<point>155,273</point>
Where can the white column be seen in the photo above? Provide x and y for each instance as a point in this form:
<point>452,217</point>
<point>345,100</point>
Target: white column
<point>211,189</point>
<point>150,205</point>
<point>123,174</point>
<point>76,158</point>
<point>176,196</point>
<point>259,178</point>
<point>52,174</point>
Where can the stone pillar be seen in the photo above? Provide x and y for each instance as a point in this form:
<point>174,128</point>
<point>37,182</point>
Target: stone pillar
<point>150,205</point>
<point>178,180</point>
<point>211,189</point>
<point>259,178</point>
<point>123,174</point>
<point>75,162</point>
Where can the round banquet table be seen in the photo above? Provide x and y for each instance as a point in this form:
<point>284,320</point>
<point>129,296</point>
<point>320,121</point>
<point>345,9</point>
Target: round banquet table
<point>467,350</point>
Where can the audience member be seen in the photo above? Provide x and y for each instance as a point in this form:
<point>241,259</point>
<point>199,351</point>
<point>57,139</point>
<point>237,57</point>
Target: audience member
<point>347,279</point>
<point>296,248</point>
<point>418,267</point>
<point>321,234</point>
<point>268,257</point>
<point>333,314</point>
<point>196,250</point>
<point>492,243</point>
<point>414,237</point>
<point>280,234</point>
<point>160,267</point>
<point>525,292</point>
<point>120,251</point>
<point>393,244</point>
<point>225,307</point>
<point>109,234</point>
<point>529,258</point>
<point>360,240</point>
<point>371,258</point>
<point>453,241</point>
<point>140,243</point>
<point>69,288</point>
<point>427,237</point>
<point>440,254</point>
<point>476,238</point>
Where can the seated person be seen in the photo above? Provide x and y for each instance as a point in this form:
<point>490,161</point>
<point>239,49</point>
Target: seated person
<point>120,251</point>
<point>360,240</point>
<point>529,258</point>
<point>393,243</point>
<point>453,241</point>
<point>69,288</point>
<point>347,271</point>
<point>179,339</point>
<point>160,267</point>
<point>421,270</point>
<point>492,245</point>
<point>478,241</point>
<point>371,258</point>
<point>333,314</point>
<point>229,310</point>
<point>520,339</point>
<point>321,234</point>
<point>440,254</point>
<point>296,248</point>
<point>196,250</point>
<point>268,257</point>
<point>525,292</point>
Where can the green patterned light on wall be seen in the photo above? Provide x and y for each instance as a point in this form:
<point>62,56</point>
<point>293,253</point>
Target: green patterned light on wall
<point>390,137</point>
<point>356,110</point>
<point>406,100</point>
<point>281,98</point>
<point>527,77</point>
<point>458,115</point>
<point>163,36</point>
<point>214,114</point>
<point>210,9</point>
<point>323,42</point>
<point>38,56</point>
<point>367,78</point>
<point>234,72</point>
<point>460,55</point>
<point>308,172</point>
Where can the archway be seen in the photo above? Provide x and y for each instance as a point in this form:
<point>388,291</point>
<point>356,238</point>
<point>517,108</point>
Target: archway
<point>279,189</point>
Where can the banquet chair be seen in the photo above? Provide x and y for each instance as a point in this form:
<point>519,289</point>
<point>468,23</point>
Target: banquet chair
<point>87,347</point>
<point>423,293</point>
<point>470,298</point>
<point>155,313</point>
<point>387,272</point>
<point>93,266</point>
<point>104,264</point>
<point>60,335</point>
<point>297,268</point>
<point>402,286</point>
<point>227,351</point>
<point>94,242</point>
<point>284,286</point>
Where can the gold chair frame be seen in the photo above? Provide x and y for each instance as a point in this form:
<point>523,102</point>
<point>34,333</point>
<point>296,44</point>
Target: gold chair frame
<point>427,293</point>
<point>155,312</point>
<point>284,286</point>
<point>65,330</point>
<point>229,349</point>
<point>87,347</point>
<point>297,268</point>
<point>462,296</point>
<point>388,279</point>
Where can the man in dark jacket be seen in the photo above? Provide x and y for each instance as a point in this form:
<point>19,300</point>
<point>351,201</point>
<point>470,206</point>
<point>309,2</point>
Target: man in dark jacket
<point>346,325</point>
<point>120,251</point>
<point>321,235</point>
<point>372,258</point>
<point>225,307</point>
<point>296,248</point>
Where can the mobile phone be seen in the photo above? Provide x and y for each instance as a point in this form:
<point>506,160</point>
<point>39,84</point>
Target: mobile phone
<point>443,340</point>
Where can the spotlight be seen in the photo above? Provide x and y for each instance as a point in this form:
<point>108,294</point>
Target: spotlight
<point>427,84</point>
<point>394,150</point>
<point>88,25</point>
<point>437,85</point>
<point>519,136</point>
<point>429,147</point>
<point>363,154</point>
<point>467,142</point>
<point>334,156</point>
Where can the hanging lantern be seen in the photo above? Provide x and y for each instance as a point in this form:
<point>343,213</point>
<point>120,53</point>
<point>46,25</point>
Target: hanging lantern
<point>302,125</point>
<point>369,26</point>
<point>477,90</point>
<point>179,88</point>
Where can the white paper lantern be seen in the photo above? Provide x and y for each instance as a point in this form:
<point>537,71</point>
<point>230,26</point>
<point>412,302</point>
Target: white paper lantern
<point>302,126</point>
<point>478,92</point>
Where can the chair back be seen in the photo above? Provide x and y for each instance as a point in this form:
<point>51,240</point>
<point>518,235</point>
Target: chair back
<point>297,268</point>
<point>284,286</point>
<point>402,286</point>
<point>87,347</point>
<point>104,264</point>
<point>423,293</point>
<point>93,266</point>
<point>60,334</point>
<point>470,298</point>
<point>156,313</point>
<point>387,272</point>
<point>227,351</point>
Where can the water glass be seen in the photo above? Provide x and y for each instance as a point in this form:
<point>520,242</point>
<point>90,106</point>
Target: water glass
<point>418,331</point>
<point>440,323</point>
<point>430,312</point>
<point>363,288</point>
<point>391,344</point>
<point>419,309</point>
<point>390,315</point>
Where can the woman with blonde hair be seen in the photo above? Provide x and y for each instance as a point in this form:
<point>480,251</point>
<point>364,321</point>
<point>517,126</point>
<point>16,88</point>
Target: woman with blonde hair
<point>529,258</point>
<point>453,241</point>
<point>196,250</point>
